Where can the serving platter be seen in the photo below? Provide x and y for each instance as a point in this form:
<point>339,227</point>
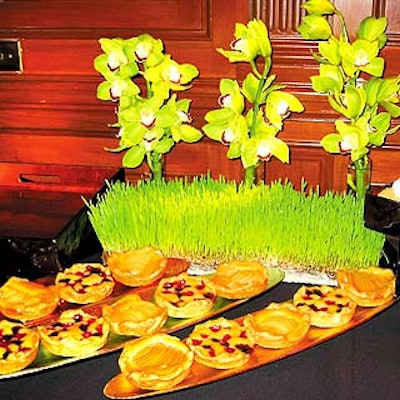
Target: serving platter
<point>45,360</point>
<point>119,387</point>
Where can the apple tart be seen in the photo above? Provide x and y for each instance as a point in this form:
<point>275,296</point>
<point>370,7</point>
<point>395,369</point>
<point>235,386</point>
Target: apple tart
<point>278,326</point>
<point>132,316</point>
<point>156,362</point>
<point>327,306</point>
<point>221,343</point>
<point>185,296</point>
<point>240,279</point>
<point>76,333</point>
<point>19,346</point>
<point>85,283</point>
<point>368,287</point>
<point>24,300</point>
<point>138,267</point>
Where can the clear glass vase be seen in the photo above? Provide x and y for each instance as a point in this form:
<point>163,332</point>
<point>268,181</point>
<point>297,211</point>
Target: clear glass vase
<point>359,177</point>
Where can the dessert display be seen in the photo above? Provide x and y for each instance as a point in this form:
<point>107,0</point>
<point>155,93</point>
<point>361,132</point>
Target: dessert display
<point>137,267</point>
<point>240,279</point>
<point>132,316</point>
<point>156,362</point>
<point>185,296</point>
<point>392,192</point>
<point>327,306</point>
<point>369,287</point>
<point>24,300</point>
<point>19,346</point>
<point>221,343</point>
<point>277,326</point>
<point>75,334</point>
<point>84,283</point>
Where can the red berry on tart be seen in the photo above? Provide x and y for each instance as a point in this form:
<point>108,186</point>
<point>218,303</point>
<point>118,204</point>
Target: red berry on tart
<point>327,306</point>
<point>185,296</point>
<point>75,334</point>
<point>85,283</point>
<point>221,343</point>
<point>19,346</point>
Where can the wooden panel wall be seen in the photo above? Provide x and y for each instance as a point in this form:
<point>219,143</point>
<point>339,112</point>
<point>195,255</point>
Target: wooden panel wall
<point>50,114</point>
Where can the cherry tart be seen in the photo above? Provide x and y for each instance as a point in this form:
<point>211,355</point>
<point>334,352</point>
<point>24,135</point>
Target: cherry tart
<point>278,326</point>
<point>237,279</point>
<point>327,306</point>
<point>75,334</point>
<point>24,300</point>
<point>19,346</point>
<point>85,283</point>
<point>156,362</point>
<point>138,267</point>
<point>132,316</point>
<point>368,287</point>
<point>221,343</point>
<point>185,296</point>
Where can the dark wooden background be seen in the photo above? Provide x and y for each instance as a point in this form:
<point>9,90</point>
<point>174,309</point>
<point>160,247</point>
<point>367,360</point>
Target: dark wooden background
<point>53,129</point>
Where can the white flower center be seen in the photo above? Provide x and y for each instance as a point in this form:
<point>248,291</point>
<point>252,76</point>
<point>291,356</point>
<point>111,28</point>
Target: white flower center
<point>174,74</point>
<point>225,100</point>
<point>228,136</point>
<point>117,87</point>
<point>361,59</point>
<point>147,118</point>
<point>184,117</point>
<point>143,51</point>
<point>346,144</point>
<point>263,151</point>
<point>113,61</point>
<point>283,108</point>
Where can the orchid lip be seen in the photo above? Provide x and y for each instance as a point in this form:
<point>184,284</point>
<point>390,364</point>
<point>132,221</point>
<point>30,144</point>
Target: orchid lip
<point>225,100</point>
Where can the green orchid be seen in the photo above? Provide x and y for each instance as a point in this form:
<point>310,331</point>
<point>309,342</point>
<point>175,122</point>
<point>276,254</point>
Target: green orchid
<point>150,121</point>
<point>351,75</point>
<point>252,113</point>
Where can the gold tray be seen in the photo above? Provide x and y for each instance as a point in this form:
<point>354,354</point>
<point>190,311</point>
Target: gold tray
<point>120,388</point>
<point>46,360</point>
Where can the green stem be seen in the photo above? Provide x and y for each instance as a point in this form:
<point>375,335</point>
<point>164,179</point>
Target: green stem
<point>342,24</point>
<point>155,162</point>
<point>362,176</point>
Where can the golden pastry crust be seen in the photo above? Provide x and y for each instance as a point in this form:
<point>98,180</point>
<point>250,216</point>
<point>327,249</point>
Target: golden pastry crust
<point>221,343</point>
<point>369,287</point>
<point>156,362</point>
<point>85,283</point>
<point>185,296</point>
<point>19,346</point>
<point>24,300</point>
<point>75,334</point>
<point>327,306</point>
<point>240,279</point>
<point>278,326</point>
<point>137,267</point>
<point>132,316</point>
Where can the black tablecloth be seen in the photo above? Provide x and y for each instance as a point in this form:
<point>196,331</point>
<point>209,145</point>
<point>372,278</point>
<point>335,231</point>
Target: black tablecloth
<point>363,363</point>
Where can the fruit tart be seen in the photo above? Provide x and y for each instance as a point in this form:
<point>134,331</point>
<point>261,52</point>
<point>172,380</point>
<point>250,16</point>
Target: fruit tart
<point>156,362</point>
<point>368,287</point>
<point>19,346</point>
<point>84,283</point>
<point>76,333</point>
<point>138,267</point>
<point>132,316</point>
<point>221,343</point>
<point>24,300</point>
<point>327,306</point>
<point>185,296</point>
<point>278,326</point>
<point>240,279</point>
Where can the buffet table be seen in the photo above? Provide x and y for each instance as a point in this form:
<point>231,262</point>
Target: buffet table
<point>363,363</point>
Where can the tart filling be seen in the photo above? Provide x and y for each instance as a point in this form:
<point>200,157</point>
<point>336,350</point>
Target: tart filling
<point>327,306</point>
<point>278,326</point>
<point>185,296</point>
<point>137,267</point>
<point>369,287</point>
<point>19,346</point>
<point>221,343</point>
<point>240,279</point>
<point>156,362</point>
<point>130,315</point>
<point>75,334</point>
<point>84,283</point>
<point>23,300</point>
